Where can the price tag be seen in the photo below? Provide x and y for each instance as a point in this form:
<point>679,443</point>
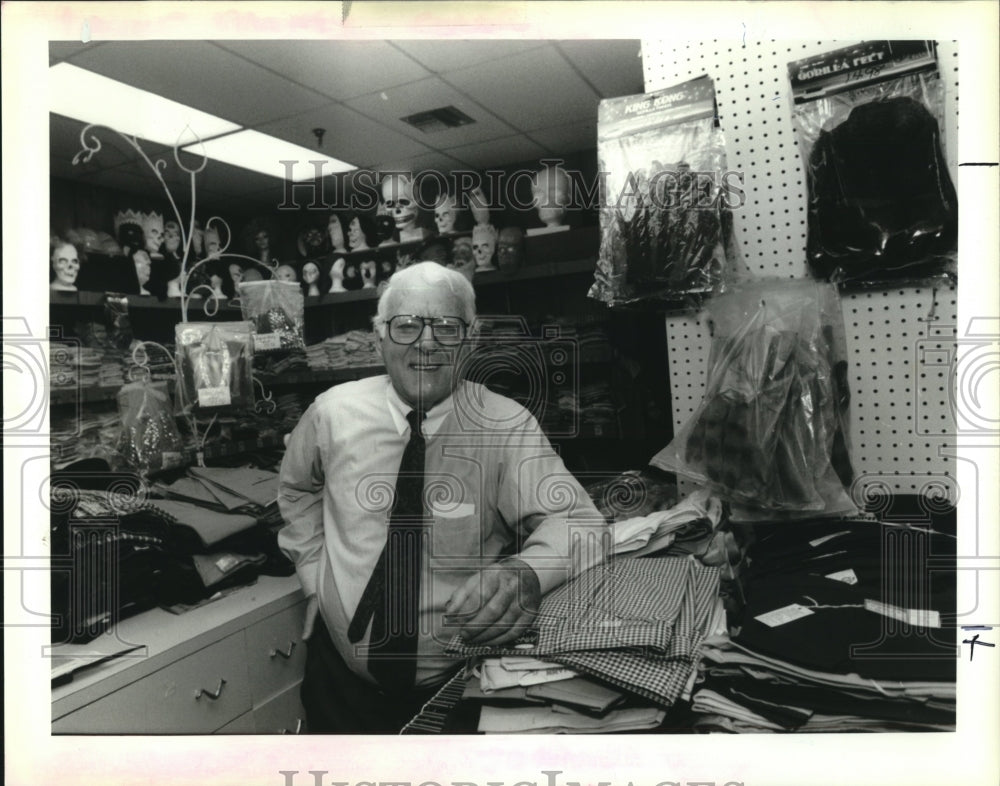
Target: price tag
<point>847,576</point>
<point>226,562</point>
<point>266,342</point>
<point>214,397</point>
<point>783,615</point>
<point>923,618</point>
<point>171,458</point>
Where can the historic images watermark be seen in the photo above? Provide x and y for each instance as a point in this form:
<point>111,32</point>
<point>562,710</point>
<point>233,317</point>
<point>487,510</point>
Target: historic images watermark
<point>551,778</point>
<point>495,189</point>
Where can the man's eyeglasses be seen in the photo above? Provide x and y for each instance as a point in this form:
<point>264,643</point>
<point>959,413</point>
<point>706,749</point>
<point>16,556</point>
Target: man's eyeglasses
<point>407,329</point>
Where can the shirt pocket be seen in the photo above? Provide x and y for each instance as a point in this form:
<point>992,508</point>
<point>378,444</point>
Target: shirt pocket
<point>456,533</point>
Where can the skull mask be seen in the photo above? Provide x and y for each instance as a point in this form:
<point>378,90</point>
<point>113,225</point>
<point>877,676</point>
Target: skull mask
<point>397,200</point>
<point>66,264</point>
<point>484,242</point>
<point>445,213</point>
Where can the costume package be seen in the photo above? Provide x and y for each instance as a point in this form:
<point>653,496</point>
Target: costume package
<point>666,225</point>
<point>772,430</point>
<point>149,439</point>
<point>276,310</point>
<point>869,119</point>
<point>214,365</point>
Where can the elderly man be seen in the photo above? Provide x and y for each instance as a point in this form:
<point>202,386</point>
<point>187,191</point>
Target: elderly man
<point>418,505</point>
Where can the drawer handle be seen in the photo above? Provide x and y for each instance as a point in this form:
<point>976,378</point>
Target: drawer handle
<point>213,696</point>
<point>298,728</point>
<point>285,655</point>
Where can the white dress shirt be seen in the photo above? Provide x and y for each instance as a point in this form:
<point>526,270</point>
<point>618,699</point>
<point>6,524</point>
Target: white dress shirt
<point>493,486</point>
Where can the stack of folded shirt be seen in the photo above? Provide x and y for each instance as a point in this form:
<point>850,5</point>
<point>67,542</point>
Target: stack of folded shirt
<point>842,631</point>
<point>347,350</point>
<point>636,624</point>
<point>288,411</point>
<point>72,365</point>
<point>272,365</point>
<point>93,435</point>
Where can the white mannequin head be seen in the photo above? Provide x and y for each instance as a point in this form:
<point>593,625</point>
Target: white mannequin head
<point>550,191</point>
<point>213,245</point>
<point>337,275</point>
<point>152,230</point>
<point>143,269</point>
<point>285,273</point>
<point>445,213</point>
<point>335,231</point>
<point>356,235</point>
<point>65,261</point>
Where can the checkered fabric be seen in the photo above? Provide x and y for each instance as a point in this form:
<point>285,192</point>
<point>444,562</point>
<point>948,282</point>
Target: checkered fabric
<point>646,606</point>
<point>658,677</point>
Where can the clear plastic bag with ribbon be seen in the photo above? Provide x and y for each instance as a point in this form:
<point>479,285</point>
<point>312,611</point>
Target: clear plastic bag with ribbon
<point>276,310</point>
<point>214,365</point>
<point>150,440</point>
<point>772,430</point>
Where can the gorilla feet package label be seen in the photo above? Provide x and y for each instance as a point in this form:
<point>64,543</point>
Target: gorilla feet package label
<point>276,309</point>
<point>772,430</point>
<point>882,206</point>
<point>666,225</point>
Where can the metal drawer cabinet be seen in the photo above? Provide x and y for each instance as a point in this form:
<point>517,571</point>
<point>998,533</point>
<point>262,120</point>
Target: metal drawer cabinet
<point>276,654</point>
<point>202,692</point>
<point>282,714</point>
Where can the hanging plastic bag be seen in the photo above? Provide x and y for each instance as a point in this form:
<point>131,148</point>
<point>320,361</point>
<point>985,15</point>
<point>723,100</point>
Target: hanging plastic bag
<point>882,206</point>
<point>772,430</point>
<point>276,310</point>
<point>150,440</point>
<point>214,365</point>
<point>666,225</point>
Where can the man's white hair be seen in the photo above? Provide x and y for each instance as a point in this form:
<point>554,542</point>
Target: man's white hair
<point>421,277</point>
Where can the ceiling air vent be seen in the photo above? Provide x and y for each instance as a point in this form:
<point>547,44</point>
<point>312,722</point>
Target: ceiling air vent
<point>434,120</point>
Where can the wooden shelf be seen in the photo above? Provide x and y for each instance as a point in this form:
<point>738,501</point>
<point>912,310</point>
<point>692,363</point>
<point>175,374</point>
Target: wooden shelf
<point>334,375</point>
<point>484,279</point>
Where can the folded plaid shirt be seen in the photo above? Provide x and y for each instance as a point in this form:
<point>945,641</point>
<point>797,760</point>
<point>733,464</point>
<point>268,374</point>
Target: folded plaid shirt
<point>658,677</point>
<point>637,623</point>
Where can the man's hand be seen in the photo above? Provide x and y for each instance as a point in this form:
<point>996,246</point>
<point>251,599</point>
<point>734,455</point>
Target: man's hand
<point>497,604</point>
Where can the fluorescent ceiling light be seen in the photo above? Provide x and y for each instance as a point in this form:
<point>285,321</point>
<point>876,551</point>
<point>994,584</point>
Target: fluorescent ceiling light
<point>91,98</point>
<point>265,154</point>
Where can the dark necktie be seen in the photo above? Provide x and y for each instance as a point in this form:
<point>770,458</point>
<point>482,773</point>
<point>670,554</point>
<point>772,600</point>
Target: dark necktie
<point>391,600</point>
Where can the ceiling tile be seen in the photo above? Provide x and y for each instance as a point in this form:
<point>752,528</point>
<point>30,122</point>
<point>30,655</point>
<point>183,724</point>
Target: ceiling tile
<point>338,69</point>
<point>537,89</point>
<point>567,138</point>
<point>435,161</point>
<point>498,152</point>
<point>614,67</point>
<point>349,136</point>
<point>431,94</point>
<point>201,75</point>
<point>449,55</point>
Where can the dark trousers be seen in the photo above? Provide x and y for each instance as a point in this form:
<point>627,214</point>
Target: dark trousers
<point>337,701</point>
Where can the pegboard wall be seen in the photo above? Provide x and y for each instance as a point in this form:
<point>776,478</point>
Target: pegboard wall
<point>901,414</point>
